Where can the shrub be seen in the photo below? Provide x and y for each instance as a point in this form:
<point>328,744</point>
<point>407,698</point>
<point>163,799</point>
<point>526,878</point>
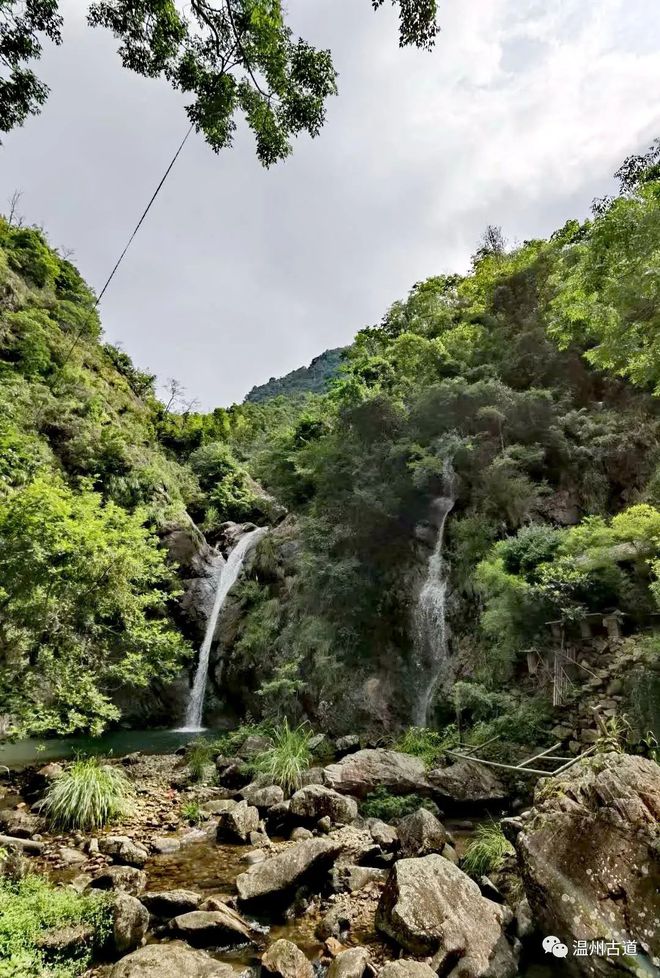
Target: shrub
<point>427,744</point>
<point>289,756</point>
<point>485,854</point>
<point>88,795</point>
<point>192,813</point>
<point>30,906</point>
<point>381,804</point>
<point>199,757</point>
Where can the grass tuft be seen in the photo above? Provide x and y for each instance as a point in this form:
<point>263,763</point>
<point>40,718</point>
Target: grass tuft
<point>485,853</point>
<point>87,795</point>
<point>288,758</point>
<point>388,807</point>
<point>429,745</point>
<point>192,813</point>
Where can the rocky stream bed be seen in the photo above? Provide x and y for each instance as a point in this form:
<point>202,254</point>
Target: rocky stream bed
<point>303,885</point>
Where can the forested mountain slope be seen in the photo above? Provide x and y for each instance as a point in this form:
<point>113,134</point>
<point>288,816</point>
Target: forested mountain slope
<point>524,393</point>
<point>314,379</point>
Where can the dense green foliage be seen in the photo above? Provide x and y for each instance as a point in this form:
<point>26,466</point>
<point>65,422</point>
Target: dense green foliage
<point>504,385</point>
<point>314,379</point>
<point>87,795</point>
<point>506,377</point>
<point>28,909</point>
<point>381,804</point>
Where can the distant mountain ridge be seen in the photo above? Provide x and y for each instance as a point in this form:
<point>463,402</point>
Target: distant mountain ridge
<point>313,379</point>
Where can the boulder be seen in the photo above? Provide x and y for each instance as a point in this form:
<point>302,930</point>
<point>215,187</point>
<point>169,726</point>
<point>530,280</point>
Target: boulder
<point>19,823</point>
<point>590,858</point>
<point>384,835</point>
<point>236,824</point>
<point>123,850</point>
<point>431,908</point>
<point>300,832</point>
<point>348,744</point>
<point>65,941</point>
<point>214,806</point>
<point>467,783</point>
<point>404,968</point>
<point>71,857</point>
<point>262,796</point>
<point>212,928</point>
<point>284,960</point>
<point>164,844</point>
<point>351,963</point>
<point>421,833</point>
<point>353,878</point>
<point>287,869</point>
<point>130,921</point>
<point>126,878</point>
<point>172,960</point>
<point>170,903</point>
<point>361,773</point>
<point>316,801</point>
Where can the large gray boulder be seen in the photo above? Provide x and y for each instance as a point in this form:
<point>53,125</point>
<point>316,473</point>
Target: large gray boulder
<point>421,833</point>
<point>236,824</point>
<point>123,850</point>
<point>212,928</point>
<point>590,859</point>
<point>283,959</point>
<point>361,773</point>
<point>431,908</point>
<point>126,878</point>
<point>262,796</point>
<point>316,801</point>
<point>404,968</point>
<point>174,960</point>
<point>466,783</point>
<point>282,872</point>
<point>351,963</point>
<point>130,922</point>
<point>19,823</point>
<point>170,903</point>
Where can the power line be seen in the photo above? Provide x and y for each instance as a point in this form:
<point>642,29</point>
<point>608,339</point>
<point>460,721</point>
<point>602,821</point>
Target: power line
<point>127,246</point>
<point>146,211</point>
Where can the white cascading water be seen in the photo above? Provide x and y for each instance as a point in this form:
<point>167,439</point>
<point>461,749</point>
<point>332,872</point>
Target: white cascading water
<point>430,623</point>
<point>227,575</point>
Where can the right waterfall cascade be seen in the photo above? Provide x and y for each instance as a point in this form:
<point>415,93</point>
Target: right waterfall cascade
<point>430,613</point>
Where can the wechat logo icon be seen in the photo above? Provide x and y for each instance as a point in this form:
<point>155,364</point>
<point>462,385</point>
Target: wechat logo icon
<point>552,945</point>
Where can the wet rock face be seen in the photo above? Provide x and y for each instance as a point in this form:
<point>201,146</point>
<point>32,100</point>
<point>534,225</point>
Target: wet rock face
<point>590,859</point>
<point>362,772</point>
<point>126,878</point>
<point>430,907</point>
<point>171,903</point>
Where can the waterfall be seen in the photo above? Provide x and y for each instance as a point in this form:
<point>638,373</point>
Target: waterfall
<point>227,575</point>
<point>430,623</point>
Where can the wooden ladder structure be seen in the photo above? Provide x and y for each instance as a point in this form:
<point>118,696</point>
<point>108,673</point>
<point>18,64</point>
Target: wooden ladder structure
<point>524,766</point>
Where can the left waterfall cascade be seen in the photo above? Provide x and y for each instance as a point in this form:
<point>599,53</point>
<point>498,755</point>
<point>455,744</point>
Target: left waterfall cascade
<point>228,573</point>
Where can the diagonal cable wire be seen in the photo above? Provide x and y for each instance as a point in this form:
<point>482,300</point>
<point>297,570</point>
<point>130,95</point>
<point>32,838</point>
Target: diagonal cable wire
<point>137,227</point>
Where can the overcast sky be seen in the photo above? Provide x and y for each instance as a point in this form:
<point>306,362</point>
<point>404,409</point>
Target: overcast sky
<point>518,118</point>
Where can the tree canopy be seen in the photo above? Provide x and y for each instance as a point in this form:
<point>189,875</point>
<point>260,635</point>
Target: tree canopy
<point>233,57</point>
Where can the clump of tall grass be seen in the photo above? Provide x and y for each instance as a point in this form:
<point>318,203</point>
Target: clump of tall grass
<point>199,758</point>
<point>87,795</point>
<point>288,758</point>
<point>486,852</point>
<point>429,745</point>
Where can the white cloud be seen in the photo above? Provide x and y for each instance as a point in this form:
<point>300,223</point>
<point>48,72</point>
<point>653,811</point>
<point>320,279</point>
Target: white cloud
<point>518,118</point>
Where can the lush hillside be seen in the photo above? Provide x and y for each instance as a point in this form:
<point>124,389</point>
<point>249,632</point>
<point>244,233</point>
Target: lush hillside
<point>529,384</point>
<point>314,379</point>
<point>518,400</point>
